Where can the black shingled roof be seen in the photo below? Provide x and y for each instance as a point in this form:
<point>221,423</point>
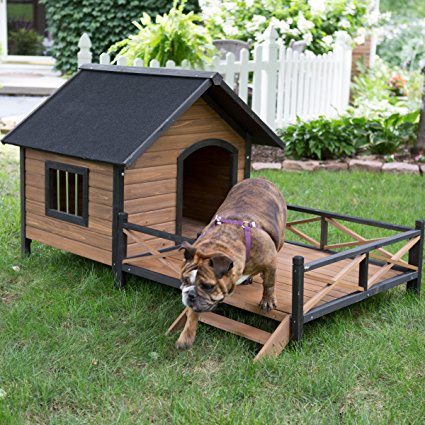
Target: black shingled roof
<point>113,113</point>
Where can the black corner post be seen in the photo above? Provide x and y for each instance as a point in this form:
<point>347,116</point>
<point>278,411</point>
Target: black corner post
<point>120,277</point>
<point>416,259</point>
<point>297,319</point>
<point>248,156</point>
<point>323,232</point>
<point>25,242</point>
<point>118,217</point>
<point>364,272</point>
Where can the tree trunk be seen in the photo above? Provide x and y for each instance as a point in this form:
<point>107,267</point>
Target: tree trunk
<point>420,143</point>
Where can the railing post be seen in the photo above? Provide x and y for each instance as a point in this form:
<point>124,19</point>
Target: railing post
<point>297,319</point>
<point>119,275</point>
<point>416,259</point>
<point>323,232</point>
<point>84,54</point>
<point>364,272</point>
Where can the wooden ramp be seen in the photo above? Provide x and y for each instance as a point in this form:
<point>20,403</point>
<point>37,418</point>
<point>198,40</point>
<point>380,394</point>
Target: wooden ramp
<point>321,285</point>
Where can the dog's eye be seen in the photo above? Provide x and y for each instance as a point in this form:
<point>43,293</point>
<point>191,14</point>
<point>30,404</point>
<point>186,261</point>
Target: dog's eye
<point>207,286</point>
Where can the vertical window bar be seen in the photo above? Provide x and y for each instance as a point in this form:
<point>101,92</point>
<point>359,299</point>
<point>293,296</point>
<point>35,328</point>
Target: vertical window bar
<point>58,191</point>
<point>67,192</point>
<point>76,194</point>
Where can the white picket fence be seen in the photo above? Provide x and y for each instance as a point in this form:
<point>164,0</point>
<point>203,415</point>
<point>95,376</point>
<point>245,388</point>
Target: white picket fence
<point>278,83</point>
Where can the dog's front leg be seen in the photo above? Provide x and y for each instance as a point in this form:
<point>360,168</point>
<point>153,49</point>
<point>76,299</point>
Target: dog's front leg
<point>187,337</point>
<point>268,302</point>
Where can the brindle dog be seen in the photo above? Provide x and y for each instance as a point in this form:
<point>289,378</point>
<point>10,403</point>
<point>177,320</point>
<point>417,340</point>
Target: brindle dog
<point>217,262</point>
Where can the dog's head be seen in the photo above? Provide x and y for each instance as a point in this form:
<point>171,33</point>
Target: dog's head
<point>206,279</point>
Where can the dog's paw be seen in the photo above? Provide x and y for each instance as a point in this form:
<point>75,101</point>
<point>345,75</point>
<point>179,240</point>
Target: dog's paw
<point>268,303</point>
<point>184,343</point>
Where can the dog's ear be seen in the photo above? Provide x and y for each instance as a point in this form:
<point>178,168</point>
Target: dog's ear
<point>221,264</point>
<point>189,250</point>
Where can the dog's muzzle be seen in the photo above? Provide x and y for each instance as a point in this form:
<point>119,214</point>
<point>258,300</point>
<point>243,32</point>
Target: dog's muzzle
<point>191,299</point>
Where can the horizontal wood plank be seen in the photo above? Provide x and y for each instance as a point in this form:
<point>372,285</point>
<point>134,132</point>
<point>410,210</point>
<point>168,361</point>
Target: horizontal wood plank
<point>150,189</point>
<point>150,174</point>
<point>153,217</point>
<point>69,245</point>
<point>237,328</point>
<point>70,231</point>
<point>43,156</point>
<point>101,226</point>
<point>152,203</point>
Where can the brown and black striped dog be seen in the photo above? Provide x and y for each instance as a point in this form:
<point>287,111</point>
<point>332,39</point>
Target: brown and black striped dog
<point>241,241</point>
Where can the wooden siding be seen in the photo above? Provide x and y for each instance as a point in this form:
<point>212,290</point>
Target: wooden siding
<point>93,242</point>
<point>150,185</point>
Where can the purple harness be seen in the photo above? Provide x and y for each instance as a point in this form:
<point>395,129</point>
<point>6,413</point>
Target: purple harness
<point>246,226</point>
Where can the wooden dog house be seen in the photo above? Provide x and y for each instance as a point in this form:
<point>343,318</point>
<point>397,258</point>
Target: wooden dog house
<point>163,146</point>
<point>123,164</point>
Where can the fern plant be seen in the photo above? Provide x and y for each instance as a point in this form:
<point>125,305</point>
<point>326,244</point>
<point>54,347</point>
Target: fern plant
<point>175,35</point>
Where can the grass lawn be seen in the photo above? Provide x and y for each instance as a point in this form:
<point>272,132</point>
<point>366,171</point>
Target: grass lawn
<point>74,350</point>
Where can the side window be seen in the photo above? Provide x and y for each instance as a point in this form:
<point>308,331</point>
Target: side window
<point>67,192</point>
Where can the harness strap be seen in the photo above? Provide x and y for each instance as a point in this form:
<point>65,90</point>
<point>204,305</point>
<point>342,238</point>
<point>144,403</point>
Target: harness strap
<point>246,226</point>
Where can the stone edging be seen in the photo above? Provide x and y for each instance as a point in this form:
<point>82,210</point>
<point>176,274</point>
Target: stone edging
<point>352,164</point>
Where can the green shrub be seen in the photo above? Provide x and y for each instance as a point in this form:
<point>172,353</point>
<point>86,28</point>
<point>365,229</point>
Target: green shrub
<point>408,8</point>
<point>315,22</point>
<point>374,94</point>
<point>104,21</point>
<point>174,36</point>
<point>402,43</point>
<point>25,42</point>
<point>325,138</point>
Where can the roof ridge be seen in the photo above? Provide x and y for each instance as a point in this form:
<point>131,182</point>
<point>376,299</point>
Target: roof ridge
<point>166,72</point>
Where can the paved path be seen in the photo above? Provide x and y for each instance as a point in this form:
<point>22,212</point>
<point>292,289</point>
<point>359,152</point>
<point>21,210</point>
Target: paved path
<point>19,106</point>
<point>34,80</point>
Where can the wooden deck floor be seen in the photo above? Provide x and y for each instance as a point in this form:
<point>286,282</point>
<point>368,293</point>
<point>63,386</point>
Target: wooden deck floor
<point>247,297</point>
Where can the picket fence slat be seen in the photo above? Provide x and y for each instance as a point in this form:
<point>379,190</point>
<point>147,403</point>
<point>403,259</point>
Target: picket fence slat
<point>278,83</point>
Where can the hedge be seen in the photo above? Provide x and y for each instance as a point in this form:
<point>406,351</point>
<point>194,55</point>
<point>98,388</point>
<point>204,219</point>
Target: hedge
<point>105,23</point>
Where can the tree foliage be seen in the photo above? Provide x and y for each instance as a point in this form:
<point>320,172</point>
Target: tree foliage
<point>105,23</point>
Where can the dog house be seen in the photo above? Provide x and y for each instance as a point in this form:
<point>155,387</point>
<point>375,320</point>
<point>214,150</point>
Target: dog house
<point>162,146</point>
<point>123,164</point>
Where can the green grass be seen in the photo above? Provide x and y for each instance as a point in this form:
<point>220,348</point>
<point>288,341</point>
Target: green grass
<point>73,350</point>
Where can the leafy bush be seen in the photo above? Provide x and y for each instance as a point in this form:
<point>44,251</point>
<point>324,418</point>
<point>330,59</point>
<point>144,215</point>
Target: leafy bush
<point>25,42</point>
<point>104,21</point>
<point>174,36</point>
<point>316,21</point>
<point>408,8</point>
<point>374,93</point>
<point>325,138</point>
<point>401,43</point>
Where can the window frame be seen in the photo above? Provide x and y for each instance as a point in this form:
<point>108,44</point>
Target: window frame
<point>61,215</point>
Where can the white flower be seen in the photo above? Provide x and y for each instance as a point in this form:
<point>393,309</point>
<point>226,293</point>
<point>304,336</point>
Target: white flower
<point>350,9</point>
<point>249,3</point>
<point>308,38</point>
<point>328,40</point>
<point>360,36</point>
<point>317,6</point>
<point>229,29</point>
<point>230,6</point>
<point>373,18</point>
<point>280,25</point>
<point>344,23</point>
<point>303,24</point>
<point>256,22</point>
<point>294,31</point>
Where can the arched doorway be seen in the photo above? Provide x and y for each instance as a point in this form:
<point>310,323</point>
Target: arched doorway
<point>206,171</point>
